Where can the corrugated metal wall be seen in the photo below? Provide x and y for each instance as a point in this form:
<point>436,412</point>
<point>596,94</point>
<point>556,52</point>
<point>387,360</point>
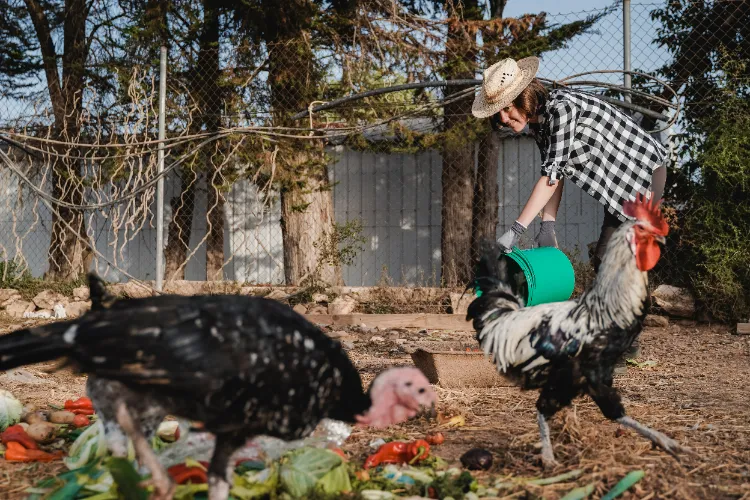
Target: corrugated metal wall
<point>397,197</point>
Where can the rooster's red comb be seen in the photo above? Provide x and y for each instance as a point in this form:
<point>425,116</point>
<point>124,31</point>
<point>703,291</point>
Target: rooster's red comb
<point>647,214</point>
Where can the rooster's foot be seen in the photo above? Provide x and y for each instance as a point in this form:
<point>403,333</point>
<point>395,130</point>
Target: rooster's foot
<point>666,443</point>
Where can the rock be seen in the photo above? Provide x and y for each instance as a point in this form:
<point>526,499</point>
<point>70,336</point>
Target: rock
<point>22,376</point>
<point>338,334</point>
<point>19,307</point>
<point>317,310</point>
<point>299,308</point>
<point>47,299</point>
<point>8,296</point>
<point>77,308</point>
<point>656,321</point>
<point>675,301</point>
<point>136,291</point>
<point>376,339</point>
<point>277,295</point>
<point>348,345</point>
<point>342,305</point>
<point>319,298</point>
<point>81,293</point>
<point>177,287</point>
<point>460,302</point>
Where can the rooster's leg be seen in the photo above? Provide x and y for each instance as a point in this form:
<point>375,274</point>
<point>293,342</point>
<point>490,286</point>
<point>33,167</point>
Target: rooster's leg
<point>163,486</point>
<point>548,455</point>
<point>608,401</point>
<point>668,444</point>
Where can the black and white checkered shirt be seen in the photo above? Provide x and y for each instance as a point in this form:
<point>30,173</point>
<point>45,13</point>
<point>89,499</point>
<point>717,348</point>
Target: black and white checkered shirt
<point>596,146</point>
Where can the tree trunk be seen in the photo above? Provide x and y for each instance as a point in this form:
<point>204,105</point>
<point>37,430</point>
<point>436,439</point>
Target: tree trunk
<point>206,103</point>
<point>458,157</point>
<point>306,220</point>
<point>486,196</point>
<point>306,198</point>
<point>69,249</point>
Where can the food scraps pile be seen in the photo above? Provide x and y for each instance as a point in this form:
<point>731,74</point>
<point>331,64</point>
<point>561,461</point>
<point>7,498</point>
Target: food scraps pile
<point>266,468</point>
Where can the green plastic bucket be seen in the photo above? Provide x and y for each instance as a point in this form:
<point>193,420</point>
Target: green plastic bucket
<point>548,271</point>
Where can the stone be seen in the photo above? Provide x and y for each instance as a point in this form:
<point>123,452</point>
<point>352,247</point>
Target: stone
<point>319,298</point>
<point>675,301</point>
<point>317,310</point>
<point>299,308</point>
<point>460,302</point>
<point>277,295</point>
<point>81,293</point>
<point>137,291</point>
<point>8,296</point>
<point>342,305</point>
<point>47,299</point>
<point>376,339</point>
<point>20,375</point>
<point>656,321</point>
<point>77,308</point>
<point>19,307</point>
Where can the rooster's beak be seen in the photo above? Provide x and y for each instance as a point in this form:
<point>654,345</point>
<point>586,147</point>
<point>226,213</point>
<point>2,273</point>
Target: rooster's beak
<point>660,238</point>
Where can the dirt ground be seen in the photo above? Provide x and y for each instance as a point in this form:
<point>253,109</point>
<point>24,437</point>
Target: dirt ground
<point>693,387</point>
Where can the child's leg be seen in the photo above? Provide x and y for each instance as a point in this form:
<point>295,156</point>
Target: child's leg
<point>658,181</point>
<point>609,226</point>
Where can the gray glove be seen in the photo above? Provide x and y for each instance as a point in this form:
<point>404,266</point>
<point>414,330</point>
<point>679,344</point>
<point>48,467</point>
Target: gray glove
<point>546,236</point>
<point>509,239</point>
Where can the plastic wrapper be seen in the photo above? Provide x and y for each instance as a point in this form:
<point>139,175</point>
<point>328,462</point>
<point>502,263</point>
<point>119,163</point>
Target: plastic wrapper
<point>200,445</point>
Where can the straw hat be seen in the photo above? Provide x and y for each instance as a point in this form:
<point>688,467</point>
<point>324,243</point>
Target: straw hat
<point>502,83</point>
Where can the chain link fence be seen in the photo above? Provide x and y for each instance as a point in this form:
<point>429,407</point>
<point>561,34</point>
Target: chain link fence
<point>269,181</point>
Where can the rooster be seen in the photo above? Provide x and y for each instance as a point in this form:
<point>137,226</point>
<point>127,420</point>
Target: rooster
<point>242,366</point>
<point>567,349</point>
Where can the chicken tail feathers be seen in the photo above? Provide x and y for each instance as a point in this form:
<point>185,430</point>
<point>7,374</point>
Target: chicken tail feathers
<point>35,345</point>
<point>491,284</point>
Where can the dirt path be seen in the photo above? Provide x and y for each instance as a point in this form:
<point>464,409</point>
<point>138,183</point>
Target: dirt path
<point>696,390</point>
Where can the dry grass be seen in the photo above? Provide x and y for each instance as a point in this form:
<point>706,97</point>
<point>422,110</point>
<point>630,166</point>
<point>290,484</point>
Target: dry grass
<point>696,392</point>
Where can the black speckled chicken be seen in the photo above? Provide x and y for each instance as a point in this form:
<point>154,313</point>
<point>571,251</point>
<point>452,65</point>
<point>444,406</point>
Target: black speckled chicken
<point>570,348</point>
<point>243,366</point>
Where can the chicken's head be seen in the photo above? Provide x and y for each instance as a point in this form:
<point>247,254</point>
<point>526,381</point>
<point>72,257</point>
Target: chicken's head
<point>649,230</point>
<point>398,394</point>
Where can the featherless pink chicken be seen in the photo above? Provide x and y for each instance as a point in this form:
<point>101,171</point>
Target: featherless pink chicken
<point>567,349</point>
<point>242,366</point>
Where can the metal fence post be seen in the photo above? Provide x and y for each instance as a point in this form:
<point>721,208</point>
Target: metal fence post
<point>626,45</point>
<point>159,170</point>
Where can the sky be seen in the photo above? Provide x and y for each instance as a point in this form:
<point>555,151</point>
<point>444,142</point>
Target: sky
<point>518,7</point>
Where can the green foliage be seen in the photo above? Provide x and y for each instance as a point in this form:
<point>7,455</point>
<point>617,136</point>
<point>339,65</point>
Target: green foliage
<point>709,245</point>
<point>717,226</point>
<point>341,245</point>
<point>16,275</point>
